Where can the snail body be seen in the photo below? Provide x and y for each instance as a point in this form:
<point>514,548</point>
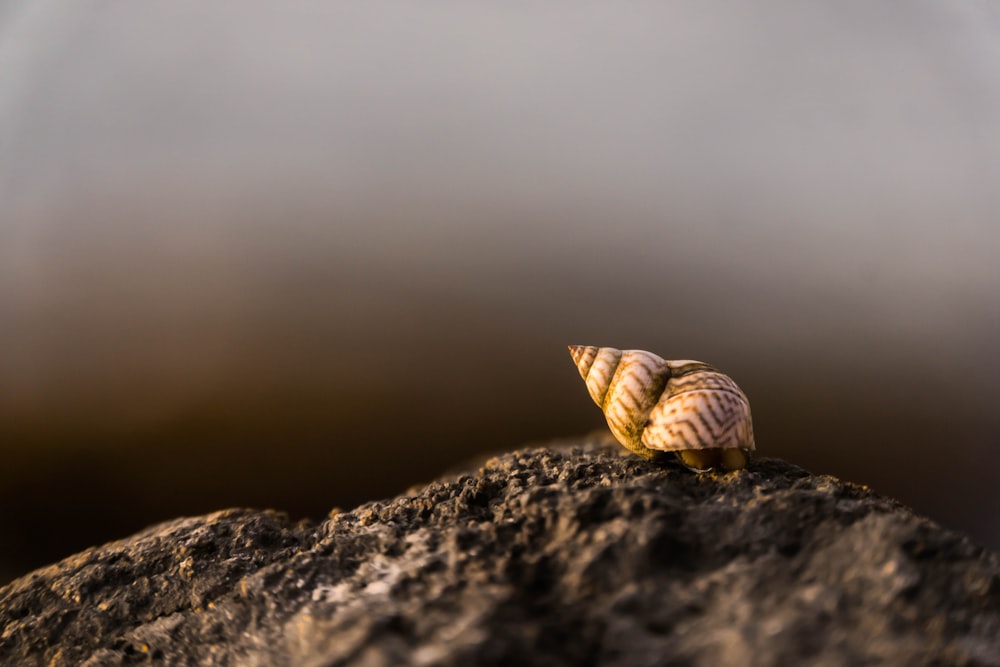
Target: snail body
<point>655,406</point>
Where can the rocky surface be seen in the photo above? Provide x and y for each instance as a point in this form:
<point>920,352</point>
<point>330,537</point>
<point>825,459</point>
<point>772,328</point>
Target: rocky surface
<point>568,555</point>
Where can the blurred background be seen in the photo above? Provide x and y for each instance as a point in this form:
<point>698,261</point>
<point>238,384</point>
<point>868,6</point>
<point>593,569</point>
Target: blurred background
<point>302,255</point>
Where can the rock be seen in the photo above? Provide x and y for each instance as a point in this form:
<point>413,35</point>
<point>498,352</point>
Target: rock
<point>567,555</point>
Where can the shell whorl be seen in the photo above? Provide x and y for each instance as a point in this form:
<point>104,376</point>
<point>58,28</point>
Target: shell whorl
<point>652,404</point>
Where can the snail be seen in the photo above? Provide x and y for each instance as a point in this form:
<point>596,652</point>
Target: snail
<point>655,406</point>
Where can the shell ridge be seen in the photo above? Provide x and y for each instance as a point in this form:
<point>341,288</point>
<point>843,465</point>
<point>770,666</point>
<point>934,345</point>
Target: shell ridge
<point>713,399</point>
<point>730,415</point>
<point>712,430</point>
<point>618,414</point>
<point>583,357</point>
<point>641,377</point>
<point>622,383</point>
<point>679,433</point>
<point>605,383</point>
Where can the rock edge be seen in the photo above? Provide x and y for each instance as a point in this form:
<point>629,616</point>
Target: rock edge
<point>573,554</point>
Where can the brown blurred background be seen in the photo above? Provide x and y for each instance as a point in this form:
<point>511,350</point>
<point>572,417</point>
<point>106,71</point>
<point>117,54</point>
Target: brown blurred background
<point>300,255</point>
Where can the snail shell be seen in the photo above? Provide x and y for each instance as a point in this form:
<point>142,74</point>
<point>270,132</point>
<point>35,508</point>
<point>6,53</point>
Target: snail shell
<point>654,405</point>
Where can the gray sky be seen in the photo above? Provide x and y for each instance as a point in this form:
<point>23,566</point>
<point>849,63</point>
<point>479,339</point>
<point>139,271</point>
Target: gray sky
<point>192,190</point>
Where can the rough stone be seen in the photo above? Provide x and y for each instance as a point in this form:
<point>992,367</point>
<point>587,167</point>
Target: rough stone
<point>565,555</point>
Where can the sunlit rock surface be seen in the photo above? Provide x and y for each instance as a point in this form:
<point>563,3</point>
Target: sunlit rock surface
<point>570,555</point>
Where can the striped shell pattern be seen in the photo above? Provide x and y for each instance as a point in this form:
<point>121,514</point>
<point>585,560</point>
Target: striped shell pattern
<point>654,405</point>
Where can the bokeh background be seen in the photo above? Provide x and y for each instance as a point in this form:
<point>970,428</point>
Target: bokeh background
<point>301,255</point>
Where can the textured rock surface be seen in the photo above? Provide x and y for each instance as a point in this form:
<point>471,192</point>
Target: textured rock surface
<point>567,555</point>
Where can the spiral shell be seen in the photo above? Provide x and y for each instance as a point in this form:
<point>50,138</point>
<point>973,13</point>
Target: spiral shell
<point>654,405</point>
